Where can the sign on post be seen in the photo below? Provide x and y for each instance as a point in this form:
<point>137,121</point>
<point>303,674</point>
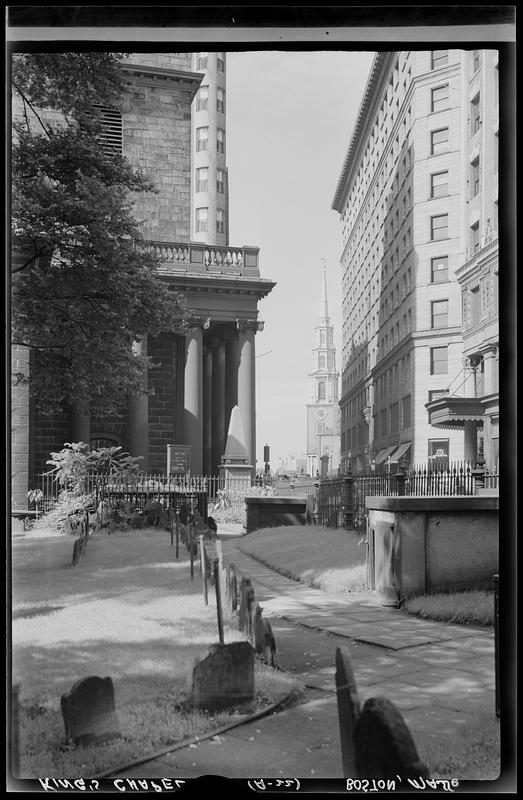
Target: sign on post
<point>178,459</point>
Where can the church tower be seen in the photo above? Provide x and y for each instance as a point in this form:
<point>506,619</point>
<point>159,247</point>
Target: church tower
<point>323,414</point>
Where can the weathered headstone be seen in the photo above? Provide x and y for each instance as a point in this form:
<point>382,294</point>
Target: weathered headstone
<point>89,713</point>
<point>164,521</point>
<point>348,710</point>
<point>264,642</point>
<point>77,551</point>
<point>152,511</point>
<point>383,744</point>
<point>225,678</point>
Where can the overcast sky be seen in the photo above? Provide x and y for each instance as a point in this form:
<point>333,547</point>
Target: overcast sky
<point>290,116</point>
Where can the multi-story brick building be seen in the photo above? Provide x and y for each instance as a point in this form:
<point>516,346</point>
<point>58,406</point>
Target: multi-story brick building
<point>417,194</point>
<point>172,125</point>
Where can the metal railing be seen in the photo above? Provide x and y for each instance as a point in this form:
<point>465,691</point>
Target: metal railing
<point>341,500</point>
<point>140,489</point>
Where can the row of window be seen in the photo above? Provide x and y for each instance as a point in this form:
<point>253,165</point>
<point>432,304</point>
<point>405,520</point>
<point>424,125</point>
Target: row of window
<point>395,376</point>
<point>202,139</point>
<point>202,180</point>
<point>398,416</point>
<point>203,62</point>
<point>202,102</point>
<point>202,220</point>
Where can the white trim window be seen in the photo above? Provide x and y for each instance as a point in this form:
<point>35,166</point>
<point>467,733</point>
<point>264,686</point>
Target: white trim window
<point>202,215</point>
<point>439,98</point>
<point>202,179</point>
<point>203,98</point>
<point>202,138</point>
<point>220,140</point>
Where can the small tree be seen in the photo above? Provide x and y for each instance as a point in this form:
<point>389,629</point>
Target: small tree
<point>73,464</point>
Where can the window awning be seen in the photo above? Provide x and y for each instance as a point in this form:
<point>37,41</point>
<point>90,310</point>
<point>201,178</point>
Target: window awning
<point>400,452</point>
<point>384,454</point>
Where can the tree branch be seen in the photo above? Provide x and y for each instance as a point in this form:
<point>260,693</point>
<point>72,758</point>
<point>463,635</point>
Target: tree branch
<point>24,98</point>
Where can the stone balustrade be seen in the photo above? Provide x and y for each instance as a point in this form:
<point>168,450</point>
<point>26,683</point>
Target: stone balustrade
<point>198,257</point>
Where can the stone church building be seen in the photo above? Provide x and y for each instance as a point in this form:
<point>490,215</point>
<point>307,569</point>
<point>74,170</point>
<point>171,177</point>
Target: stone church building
<point>173,126</point>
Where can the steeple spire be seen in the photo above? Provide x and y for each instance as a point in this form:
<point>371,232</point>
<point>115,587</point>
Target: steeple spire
<point>324,309</point>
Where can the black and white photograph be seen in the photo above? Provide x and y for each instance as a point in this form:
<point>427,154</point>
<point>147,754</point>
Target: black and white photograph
<point>257,344</point>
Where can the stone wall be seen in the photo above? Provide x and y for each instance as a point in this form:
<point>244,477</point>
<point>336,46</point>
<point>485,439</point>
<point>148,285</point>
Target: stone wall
<point>157,139</point>
<point>428,544</point>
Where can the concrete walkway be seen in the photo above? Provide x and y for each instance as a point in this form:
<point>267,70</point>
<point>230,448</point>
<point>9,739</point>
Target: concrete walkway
<point>441,677</point>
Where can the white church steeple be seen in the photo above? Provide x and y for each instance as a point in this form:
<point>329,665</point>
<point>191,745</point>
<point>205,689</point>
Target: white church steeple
<point>322,408</point>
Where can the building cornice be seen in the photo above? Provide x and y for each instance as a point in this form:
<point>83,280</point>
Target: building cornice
<point>155,76</point>
<point>379,66</point>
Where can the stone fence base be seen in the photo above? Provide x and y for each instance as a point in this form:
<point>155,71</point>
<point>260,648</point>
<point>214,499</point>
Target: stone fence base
<point>271,512</point>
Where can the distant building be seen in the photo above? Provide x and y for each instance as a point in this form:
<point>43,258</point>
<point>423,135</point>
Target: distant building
<point>172,125</point>
<point>418,201</point>
<point>323,430</point>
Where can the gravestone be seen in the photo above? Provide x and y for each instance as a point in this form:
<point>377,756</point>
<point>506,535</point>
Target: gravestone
<point>225,678</point>
<point>164,521</point>
<point>152,511</point>
<point>383,745</point>
<point>77,551</point>
<point>348,710</point>
<point>89,713</point>
<point>264,642</point>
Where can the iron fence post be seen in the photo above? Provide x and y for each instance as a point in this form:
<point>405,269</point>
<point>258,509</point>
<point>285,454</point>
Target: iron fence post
<point>478,473</point>
<point>401,478</point>
<point>348,500</point>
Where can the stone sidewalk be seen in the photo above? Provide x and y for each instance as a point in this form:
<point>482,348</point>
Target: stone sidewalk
<point>441,676</point>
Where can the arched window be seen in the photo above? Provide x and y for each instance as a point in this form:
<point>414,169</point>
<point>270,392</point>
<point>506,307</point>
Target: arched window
<point>322,390</point>
<point>104,440</point>
<point>321,361</point>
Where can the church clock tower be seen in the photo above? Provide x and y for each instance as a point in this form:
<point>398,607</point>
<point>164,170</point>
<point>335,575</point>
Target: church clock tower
<point>323,413</point>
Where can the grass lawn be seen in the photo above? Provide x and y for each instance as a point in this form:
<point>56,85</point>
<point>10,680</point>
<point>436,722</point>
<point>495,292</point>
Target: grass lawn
<point>128,610</point>
<point>326,558</point>
<point>333,559</point>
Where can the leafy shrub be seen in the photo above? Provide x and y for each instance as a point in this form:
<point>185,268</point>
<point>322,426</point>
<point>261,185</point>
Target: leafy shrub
<point>230,506</point>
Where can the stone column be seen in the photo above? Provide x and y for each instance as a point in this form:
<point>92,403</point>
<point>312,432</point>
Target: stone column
<point>471,440</point>
<point>469,377</point>
<point>208,401</point>
<point>80,423</point>
<point>193,397</point>
<point>20,427</point>
<point>247,384</point>
<point>218,403</point>
<point>139,415</point>
<point>490,371</point>
<point>231,378</point>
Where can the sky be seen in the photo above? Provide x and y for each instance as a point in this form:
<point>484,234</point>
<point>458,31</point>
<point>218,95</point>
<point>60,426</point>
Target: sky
<point>290,117</point>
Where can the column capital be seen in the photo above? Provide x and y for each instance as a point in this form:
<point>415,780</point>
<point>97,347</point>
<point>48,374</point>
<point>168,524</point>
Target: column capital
<point>249,325</point>
<point>203,323</point>
<point>470,363</point>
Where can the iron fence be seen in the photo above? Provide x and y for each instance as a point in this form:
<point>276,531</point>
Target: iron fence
<point>341,500</point>
<point>173,491</point>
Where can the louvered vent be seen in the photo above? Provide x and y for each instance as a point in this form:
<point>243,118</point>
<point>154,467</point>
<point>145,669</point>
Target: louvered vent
<point>112,129</point>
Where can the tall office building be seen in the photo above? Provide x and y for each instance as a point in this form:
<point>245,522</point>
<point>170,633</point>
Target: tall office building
<point>417,196</point>
<point>323,428</point>
<point>171,124</point>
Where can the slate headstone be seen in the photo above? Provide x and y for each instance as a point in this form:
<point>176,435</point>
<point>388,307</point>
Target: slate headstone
<point>152,511</point>
<point>88,711</point>
<point>224,679</point>
<point>383,744</point>
<point>348,709</point>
